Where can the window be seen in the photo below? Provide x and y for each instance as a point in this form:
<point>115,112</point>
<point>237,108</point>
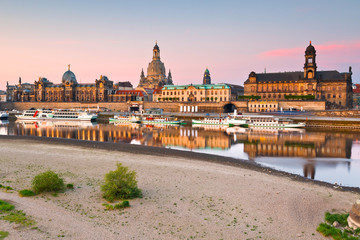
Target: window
<point>310,60</point>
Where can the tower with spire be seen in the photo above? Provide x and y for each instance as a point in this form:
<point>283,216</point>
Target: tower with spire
<point>310,63</point>
<point>156,75</point>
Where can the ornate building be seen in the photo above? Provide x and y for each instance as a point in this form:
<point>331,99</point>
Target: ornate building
<point>69,90</point>
<point>156,76</point>
<point>331,86</point>
<point>208,92</point>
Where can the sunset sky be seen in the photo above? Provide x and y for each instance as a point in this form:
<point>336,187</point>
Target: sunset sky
<point>231,38</point>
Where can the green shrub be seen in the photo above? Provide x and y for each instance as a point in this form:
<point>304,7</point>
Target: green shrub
<point>9,188</point>
<point>120,184</point>
<point>124,204</point>
<point>70,186</point>
<point>5,207</point>
<point>3,234</point>
<point>26,193</point>
<point>47,182</point>
<point>340,218</point>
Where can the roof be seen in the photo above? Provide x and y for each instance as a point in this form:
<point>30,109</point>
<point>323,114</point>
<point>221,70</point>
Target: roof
<point>294,76</point>
<point>157,90</point>
<point>357,88</point>
<point>132,92</point>
<point>125,84</point>
<point>197,86</point>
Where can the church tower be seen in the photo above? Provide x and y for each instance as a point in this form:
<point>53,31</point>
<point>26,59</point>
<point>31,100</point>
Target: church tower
<point>156,75</point>
<point>310,63</point>
<point>169,79</point>
<point>207,78</point>
<point>156,52</point>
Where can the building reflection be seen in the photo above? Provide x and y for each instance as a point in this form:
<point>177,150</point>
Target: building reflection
<point>298,144</point>
<point>276,144</point>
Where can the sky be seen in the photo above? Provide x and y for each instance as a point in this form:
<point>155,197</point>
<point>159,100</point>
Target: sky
<point>231,38</point>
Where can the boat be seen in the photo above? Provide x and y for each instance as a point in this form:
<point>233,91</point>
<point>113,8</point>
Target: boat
<point>56,115</point>
<point>267,121</point>
<point>224,121</point>
<point>4,115</point>
<point>125,119</point>
<point>159,119</point>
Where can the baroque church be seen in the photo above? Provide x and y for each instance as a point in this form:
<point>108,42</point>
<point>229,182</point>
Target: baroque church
<point>156,74</point>
<point>333,87</point>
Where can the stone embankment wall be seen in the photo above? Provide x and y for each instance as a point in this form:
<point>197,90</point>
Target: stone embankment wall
<point>339,113</point>
<point>305,105</point>
<point>203,107</point>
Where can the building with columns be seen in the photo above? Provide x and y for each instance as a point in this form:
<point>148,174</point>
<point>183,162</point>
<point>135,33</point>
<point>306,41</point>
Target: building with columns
<point>156,74</point>
<point>333,87</point>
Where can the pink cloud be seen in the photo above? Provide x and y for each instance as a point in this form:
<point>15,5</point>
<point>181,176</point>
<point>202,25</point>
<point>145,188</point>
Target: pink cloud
<point>325,49</point>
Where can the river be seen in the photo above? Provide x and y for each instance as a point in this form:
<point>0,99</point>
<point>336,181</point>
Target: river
<point>329,156</point>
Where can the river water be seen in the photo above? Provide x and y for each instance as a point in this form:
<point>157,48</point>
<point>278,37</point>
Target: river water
<point>329,156</point>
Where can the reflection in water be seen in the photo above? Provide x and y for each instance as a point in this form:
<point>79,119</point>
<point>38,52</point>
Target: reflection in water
<point>285,149</point>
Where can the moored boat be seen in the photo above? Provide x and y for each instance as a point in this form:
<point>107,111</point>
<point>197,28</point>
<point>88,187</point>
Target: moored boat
<point>56,115</point>
<point>125,119</point>
<point>265,121</point>
<point>158,119</point>
<point>224,121</point>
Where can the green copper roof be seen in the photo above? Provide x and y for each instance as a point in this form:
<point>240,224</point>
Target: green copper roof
<point>197,86</point>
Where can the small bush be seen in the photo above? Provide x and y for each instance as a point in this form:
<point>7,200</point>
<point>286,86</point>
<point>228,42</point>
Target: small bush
<point>3,234</point>
<point>5,207</point>
<point>70,186</point>
<point>47,182</point>
<point>26,193</point>
<point>120,184</point>
<point>124,204</point>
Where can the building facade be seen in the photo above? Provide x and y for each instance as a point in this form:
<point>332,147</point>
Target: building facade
<point>156,74</point>
<point>69,90</point>
<point>331,86</point>
<point>198,92</point>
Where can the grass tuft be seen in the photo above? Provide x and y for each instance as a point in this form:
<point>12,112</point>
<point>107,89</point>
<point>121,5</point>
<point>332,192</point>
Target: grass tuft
<point>70,186</point>
<point>340,218</point>
<point>18,217</point>
<point>6,207</point>
<point>26,193</point>
<point>3,235</point>
<point>337,234</point>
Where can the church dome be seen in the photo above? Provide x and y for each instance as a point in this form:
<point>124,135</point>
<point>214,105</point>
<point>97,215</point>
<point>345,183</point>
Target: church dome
<point>69,76</point>
<point>310,49</point>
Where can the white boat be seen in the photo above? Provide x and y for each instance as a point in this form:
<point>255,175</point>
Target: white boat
<point>158,119</point>
<point>4,115</point>
<point>56,115</point>
<point>265,121</point>
<point>72,114</point>
<point>125,119</point>
<point>225,121</point>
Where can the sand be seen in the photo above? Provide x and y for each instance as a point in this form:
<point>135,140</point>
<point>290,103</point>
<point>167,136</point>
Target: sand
<point>184,198</point>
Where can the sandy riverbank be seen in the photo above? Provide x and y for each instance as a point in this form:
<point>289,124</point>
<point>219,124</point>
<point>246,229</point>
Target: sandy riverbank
<point>183,198</point>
